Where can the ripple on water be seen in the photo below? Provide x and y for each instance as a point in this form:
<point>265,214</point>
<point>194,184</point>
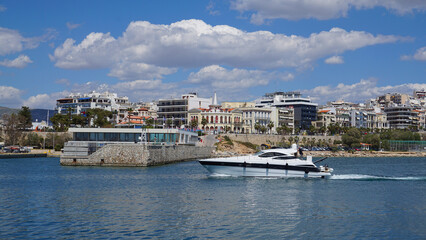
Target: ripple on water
<point>366,198</point>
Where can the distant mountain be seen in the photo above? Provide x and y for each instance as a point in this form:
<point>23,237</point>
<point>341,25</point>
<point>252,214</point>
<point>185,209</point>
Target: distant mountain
<point>39,115</point>
<point>5,110</point>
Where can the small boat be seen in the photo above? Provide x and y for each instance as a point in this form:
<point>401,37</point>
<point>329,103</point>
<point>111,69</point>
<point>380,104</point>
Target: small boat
<point>278,162</point>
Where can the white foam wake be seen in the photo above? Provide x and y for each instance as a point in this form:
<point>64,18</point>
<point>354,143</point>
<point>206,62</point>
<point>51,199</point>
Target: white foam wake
<point>372,177</point>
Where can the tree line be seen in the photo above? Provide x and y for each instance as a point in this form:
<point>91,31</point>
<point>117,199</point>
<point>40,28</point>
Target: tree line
<point>16,131</point>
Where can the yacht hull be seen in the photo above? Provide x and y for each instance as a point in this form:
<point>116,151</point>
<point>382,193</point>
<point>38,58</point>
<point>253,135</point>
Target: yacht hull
<point>264,171</point>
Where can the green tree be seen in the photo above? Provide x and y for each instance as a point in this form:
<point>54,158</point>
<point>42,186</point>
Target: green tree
<point>149,122</point>
<point>79,120</point>
<point>25,119</point>
<point>60,122</point>
<point>11,128</point>
<point>99,117</point>
<point>33,139</point>
<point>270,126</point>
<point>312,129</point>
<point>333,128</point>
<point>263,129</point>
<point>169,122</point>
<point>193,123</point>
<point>257,127</point>
<point>352,138</point>
<point>373,139</point>
<point>204,122</point>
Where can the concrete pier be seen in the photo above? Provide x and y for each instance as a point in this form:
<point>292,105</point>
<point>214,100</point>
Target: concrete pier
<point>129,154</point>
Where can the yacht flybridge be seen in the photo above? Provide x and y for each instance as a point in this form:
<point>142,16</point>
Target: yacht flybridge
<point>279,162</point>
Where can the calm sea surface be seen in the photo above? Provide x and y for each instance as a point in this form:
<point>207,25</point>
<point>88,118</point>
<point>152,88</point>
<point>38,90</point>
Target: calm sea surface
<point>368,198</point>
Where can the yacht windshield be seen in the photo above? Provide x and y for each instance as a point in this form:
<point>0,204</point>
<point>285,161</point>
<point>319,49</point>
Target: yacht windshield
<point>258,153</point>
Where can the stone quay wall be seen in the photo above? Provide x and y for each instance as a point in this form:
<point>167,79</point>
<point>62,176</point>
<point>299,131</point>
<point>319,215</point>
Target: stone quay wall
<point>259,139</point>
<point>138,155</point>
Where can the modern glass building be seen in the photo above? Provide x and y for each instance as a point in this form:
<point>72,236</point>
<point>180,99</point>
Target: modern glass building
<point>166,136</point>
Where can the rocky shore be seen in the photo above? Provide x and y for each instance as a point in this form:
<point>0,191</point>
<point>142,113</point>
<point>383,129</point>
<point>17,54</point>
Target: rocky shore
<point>227,147</point>
<point>363,154</point>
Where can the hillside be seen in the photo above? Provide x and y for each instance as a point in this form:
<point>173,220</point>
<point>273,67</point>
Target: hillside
<point>36,114</point>
<point>6,110</point>
<point>41,114</point>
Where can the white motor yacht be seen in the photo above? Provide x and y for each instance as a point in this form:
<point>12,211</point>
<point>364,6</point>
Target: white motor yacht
<point>278,162</point>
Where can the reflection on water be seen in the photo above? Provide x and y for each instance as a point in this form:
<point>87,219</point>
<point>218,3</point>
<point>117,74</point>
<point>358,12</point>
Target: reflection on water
<point>367,198</point>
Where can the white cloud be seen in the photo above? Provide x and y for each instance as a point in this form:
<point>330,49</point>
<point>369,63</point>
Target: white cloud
<point>334,60</point>
<point>358,92</point>
<point>95,51</point>
<point>44,101</point>
<point>131,71</point>
<point>318,9</point>
<point>11,41</point>
<point>151,50</point>
<point>2,8</point>
<point>211,8</point>
<point>287,77</point>
<point>19,62</point>
<point>420,55</point>
<point>63,81</point>
<point>72,26</point>
<point>220,78</point>
<point>40,101</point>
<point>10,96</point>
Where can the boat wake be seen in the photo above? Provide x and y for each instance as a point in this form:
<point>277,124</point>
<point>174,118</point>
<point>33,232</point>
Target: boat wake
<point>218,175</point>
<point>372,177</point>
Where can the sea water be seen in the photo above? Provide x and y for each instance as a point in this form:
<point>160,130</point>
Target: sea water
<point>367,198</point>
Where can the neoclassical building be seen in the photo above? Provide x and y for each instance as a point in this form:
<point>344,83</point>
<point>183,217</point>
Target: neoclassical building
<point>218,119</point>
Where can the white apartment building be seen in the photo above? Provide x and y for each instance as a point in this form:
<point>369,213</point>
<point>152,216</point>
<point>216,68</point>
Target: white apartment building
<point>304,110</point>
<point>80,103</point>
<point>177,109</point>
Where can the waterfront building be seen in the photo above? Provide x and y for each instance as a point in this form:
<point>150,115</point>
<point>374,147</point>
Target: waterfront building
<point>381,121</point>
<point>304,110</point>
<point>150,135</point>
<point>422,118</point>
<point>401,117</point>
<point>420,94</point>
<point>285,117</point>
<point>80,103</point>
<point>358,118</point>
<point>237,104</point>
<point>176,110</point>
<point>254,115</point>
<point>394,98</point>
<point>341,104</point>
<point>343,117</point>
<point>218,119</point>
<point>325,118</point>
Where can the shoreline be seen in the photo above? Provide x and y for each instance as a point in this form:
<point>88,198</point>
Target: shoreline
<point>339,154</point>
<point>363,154</point>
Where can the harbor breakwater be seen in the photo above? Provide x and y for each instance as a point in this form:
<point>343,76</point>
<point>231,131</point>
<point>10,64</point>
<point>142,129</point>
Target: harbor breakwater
<point>129,155</point>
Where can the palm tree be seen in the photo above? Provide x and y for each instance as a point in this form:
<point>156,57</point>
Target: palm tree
<point>193,123</point>
<point>204,122</point>
<point>149,122</point>
<point>270,126</point>
<point>262,129</point>
<point>312,129</point>
<point>257,126</point>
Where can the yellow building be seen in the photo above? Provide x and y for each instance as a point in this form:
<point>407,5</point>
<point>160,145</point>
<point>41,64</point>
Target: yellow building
<point>218,119</point>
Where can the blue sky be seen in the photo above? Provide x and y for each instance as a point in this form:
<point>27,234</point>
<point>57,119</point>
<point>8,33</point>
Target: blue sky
<point>241,49</point>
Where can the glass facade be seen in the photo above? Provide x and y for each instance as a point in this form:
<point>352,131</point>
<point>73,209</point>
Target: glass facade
<point>125,137</point>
